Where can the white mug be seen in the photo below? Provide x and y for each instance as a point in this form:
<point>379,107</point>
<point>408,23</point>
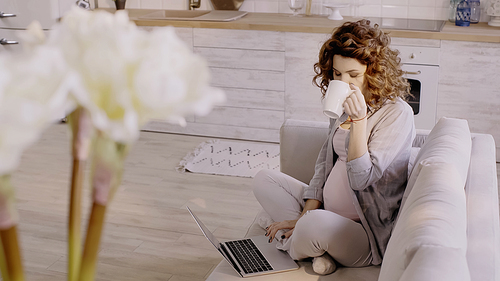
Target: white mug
<point>333,103</point>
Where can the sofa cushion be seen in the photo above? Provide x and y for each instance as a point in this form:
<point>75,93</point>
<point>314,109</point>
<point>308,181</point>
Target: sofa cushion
<point>437,263</point>
<point>300,143</point>
<point>434,215</point>
<point>448,142</point>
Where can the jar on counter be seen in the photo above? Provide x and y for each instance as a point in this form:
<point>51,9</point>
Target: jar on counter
<point>463,13</point>
<point>453,10</point>
<point>475,11</point>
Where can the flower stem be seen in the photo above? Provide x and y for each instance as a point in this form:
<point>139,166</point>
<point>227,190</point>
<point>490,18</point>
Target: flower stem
<point>12,254</point>
<point>74,224</point>
<point>3,265</point>
<point>81,131</point>
<point>94,232</point>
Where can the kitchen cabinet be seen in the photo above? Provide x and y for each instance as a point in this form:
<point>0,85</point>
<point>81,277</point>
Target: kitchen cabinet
<point>469,87</point>
<point>267,76</point>
<point>250,67</point>
<point>9,40</point>
<point>18,14</point>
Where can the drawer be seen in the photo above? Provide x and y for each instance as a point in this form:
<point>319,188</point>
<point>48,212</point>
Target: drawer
<point>11,36</point>
<point>243,59</point>
<point>45,11</point>
<point>239,39</point>
<point>248,79</point>
<point>418,55</point>
<point>244,117</point>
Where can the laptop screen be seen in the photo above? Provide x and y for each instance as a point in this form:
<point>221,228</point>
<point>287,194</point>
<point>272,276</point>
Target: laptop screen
<point>205,231</point>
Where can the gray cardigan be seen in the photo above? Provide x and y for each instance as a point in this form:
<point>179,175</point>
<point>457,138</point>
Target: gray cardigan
<point>378,178</point>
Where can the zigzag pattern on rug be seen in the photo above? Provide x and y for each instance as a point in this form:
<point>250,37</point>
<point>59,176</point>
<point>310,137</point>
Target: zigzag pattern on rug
<point>243,159</point>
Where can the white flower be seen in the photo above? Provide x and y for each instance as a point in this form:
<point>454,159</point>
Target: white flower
<point>33,93</point>
<point>129,76</point>
<point>33,36</point>
<point>170,81</point>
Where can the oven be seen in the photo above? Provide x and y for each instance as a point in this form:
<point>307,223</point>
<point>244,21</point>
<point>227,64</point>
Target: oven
<point>421,67</point>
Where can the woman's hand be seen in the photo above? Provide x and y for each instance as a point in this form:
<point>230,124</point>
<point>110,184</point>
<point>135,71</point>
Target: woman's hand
<point>311,204</point>
<point>276,226</point>
<point>355,104</point>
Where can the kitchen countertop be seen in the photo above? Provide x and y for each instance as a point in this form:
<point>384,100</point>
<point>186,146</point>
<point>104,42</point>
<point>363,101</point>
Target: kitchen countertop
<point>480,32</point>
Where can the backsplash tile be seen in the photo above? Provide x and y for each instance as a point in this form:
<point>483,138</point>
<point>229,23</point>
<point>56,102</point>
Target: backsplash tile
<point>420,9</point>
<point>284,9</point>
<point>421,3</point>
<point>266,6</point>
<point>370,10</point>
<point>395,2</point>
<point>389,11</point>
<point>151,4</point>
<point>427,13</point>
<point>443,3</point>
<point>248,6</point>
<point>175,4</point>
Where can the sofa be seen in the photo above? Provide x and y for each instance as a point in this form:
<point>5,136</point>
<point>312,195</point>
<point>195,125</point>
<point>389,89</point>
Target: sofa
<point>448,225</point>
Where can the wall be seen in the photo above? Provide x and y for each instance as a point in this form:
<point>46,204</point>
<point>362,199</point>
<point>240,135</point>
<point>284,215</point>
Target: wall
<point>419,9</point>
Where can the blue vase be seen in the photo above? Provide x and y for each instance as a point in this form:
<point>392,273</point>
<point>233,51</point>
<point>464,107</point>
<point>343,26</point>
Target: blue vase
<point>463,14</point>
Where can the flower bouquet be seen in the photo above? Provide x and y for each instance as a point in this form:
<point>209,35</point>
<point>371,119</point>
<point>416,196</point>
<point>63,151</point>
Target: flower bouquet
<point>110,78</point>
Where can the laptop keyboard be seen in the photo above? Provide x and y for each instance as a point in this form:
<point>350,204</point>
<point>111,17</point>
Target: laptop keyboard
<point>249,256</point>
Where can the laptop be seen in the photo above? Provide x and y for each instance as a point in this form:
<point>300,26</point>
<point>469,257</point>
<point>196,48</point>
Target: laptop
<point>252,256</point>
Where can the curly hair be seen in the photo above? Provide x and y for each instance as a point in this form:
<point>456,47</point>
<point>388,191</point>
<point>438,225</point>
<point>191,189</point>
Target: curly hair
<point>369,46</point>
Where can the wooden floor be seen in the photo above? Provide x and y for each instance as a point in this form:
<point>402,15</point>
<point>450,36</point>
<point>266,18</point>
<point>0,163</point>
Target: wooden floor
<point>149,234</point>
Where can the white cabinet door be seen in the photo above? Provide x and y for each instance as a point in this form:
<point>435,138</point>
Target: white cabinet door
<point>9,41</point>
<point>25,11</point>
<point>10,36</point>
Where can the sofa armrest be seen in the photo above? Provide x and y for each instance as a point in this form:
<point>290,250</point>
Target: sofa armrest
<point>300,143</point>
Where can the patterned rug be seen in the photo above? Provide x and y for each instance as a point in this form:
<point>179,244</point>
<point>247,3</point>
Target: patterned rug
<point>229,158</point>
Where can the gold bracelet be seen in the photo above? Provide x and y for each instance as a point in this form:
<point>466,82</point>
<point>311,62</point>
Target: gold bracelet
<point>354,121</point>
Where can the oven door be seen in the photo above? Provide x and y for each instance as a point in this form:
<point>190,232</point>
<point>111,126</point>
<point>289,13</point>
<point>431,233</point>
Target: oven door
<point>424,88</point>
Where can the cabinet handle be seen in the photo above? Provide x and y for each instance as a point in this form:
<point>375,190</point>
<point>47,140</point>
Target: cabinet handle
<point>4,15</point>
<point>412,72</point>
<point>4,41</point>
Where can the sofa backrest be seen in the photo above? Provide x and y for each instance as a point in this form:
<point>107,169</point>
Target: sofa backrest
<point>433,216</point>
<point>300,143</point>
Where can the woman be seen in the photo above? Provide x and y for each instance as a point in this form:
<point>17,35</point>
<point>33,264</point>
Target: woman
<point>347,212</point>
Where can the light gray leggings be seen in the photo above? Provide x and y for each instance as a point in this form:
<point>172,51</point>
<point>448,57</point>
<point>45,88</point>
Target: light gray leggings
<point>318,231</point>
